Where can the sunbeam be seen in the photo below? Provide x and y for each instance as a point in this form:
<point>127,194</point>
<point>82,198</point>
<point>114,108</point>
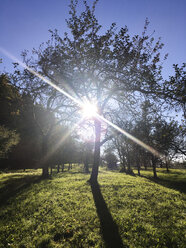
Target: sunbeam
<point>41,77</point>
<point>89,110</point>
<point>50,153</point>
<point>137,141</point>
<point>82,105</point>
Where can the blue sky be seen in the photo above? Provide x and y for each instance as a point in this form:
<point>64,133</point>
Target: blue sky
<point>24,24</point>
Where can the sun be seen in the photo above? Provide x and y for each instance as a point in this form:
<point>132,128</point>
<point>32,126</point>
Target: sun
<point>89,110</point>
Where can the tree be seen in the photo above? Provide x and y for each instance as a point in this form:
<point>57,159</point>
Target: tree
<point>62,150</point>
<point>150,127</point>
<point>124,146</point>
<point>86,154</point>
<point>110,159</point>
<point>163,138</point>
<point>108,69</point>
<point>8,139</point>
<point>27,128</point>
<point>10,101</point>
<point>175,89</point>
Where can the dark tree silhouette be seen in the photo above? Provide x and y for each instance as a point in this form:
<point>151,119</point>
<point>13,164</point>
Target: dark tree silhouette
<point>110,69</point>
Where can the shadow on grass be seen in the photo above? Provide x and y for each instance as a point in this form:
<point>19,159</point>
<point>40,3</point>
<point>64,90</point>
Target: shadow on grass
<point>109,228</point>
<point>172,184</point>
<point>171,172</point>
<point>78,172</point>
<point>14,185</point>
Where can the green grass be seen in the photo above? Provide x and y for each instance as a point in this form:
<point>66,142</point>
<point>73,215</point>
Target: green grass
<point>64,211</point>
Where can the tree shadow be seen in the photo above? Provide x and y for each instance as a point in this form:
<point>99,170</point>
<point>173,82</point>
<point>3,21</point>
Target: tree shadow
<point>14,185</point>
<point>127,172</point>
<point>172,172</point>
<point>171,184</point>
<point>109,229</point>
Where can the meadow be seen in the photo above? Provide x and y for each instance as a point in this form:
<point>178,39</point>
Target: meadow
<point>65,211</point>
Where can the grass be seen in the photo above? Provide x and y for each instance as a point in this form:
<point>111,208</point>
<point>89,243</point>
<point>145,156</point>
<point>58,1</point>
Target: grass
<point>64,211</point>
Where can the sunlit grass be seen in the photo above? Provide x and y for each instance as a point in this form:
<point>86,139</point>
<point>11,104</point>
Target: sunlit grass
<point>60,212</point>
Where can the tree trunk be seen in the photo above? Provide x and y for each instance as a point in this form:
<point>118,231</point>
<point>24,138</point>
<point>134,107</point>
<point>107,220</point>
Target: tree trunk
<point>129,169</point>
<point>167,166</point>
<point>138,160</point>
<point>94,174</point>
<point>123,166</point>
<point>51,170</point>
<point>138,169</point>
<point>58,167</point>
<point>86,160</point>
<point>63,167</point>
<point>123,169</point>
<point>145,161</point>
<point>45,172</point>
<point>154,168</point>
<point>145,164</point>
<point>161,164</point>
<point>86,168</point>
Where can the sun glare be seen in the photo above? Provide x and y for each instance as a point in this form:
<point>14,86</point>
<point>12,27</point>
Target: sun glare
<point>89,110</point>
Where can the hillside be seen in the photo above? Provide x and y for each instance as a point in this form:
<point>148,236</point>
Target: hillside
<point>65,211</point>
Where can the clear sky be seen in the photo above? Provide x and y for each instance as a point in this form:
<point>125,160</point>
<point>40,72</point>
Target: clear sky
<point>24,24</point>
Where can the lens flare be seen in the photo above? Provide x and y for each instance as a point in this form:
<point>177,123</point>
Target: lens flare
<point>137,141</point>
<point>87,108</point>
<point>41,77</point>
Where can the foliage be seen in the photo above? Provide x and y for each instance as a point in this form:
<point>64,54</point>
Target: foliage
<point>35,126</point>
<point>110,159</point>
<point>175,88</point>
<point>10,101</point>
<point>111,69</point>
<point>152,128</point>
<point>8,139</point>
